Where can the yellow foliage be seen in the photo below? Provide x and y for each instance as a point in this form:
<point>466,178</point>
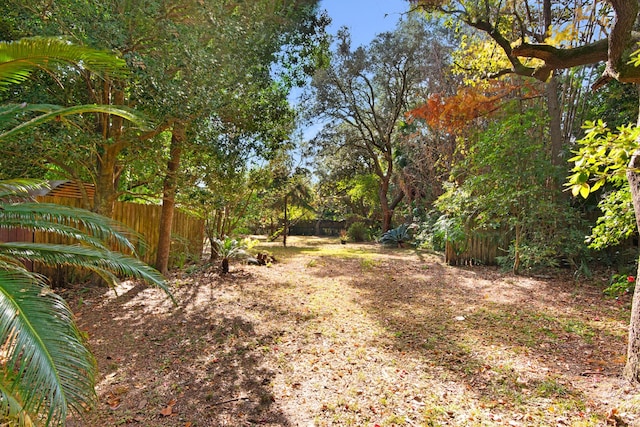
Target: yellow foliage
<point>477,58</point>
<point>562,37</point>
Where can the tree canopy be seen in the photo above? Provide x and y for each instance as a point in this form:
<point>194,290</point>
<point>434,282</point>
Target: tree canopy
<point>365,93</point>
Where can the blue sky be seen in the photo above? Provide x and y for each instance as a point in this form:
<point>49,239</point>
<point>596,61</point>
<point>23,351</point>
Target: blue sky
<point>365,18</point>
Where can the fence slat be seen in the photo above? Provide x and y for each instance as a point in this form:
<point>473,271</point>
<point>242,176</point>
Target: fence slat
<point>187,230</point>
<point>479,248</point>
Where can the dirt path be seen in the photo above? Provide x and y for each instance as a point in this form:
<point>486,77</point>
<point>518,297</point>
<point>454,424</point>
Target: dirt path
<point>357,335</point>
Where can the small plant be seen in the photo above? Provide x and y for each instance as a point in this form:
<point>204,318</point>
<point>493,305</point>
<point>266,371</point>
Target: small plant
<point>227,249</point>
<point>397,237</point>
<point>357,232</point>
<point>343,236</point>
<point>620,284</point>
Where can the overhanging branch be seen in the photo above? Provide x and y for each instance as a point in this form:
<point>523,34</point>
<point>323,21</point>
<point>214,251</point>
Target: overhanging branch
<point>557,58</point>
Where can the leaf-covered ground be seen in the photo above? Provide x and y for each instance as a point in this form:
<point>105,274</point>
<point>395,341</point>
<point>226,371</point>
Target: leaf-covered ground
<point>358,335</point>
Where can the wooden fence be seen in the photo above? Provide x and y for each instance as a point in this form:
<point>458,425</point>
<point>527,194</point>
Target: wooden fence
<point>478,249</point>
<point>187,232</point>
<point>317,228</point>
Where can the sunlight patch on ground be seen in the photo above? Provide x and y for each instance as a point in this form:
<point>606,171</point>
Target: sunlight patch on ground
<point>389,338</point>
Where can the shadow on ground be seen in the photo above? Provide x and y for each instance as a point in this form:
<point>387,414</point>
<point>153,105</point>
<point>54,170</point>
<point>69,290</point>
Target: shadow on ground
<point>191,365</point>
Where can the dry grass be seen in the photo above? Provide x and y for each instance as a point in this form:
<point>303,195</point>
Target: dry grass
<point>335,335</point>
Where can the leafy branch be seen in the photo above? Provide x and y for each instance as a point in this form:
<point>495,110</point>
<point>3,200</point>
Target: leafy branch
<point>603,157</point>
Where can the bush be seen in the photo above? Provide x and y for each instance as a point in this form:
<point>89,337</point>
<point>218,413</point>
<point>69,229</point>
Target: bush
<point>436,229</point>
<point>357,232</point>
<point>620,284</point>
<point>530,256</point>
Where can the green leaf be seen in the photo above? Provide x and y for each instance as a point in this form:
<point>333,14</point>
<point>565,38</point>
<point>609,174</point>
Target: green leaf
<point>55,112</point>
<point>48,367</point>
<point>582,177</point>
<point>99,261</point>
<point>18,59</point>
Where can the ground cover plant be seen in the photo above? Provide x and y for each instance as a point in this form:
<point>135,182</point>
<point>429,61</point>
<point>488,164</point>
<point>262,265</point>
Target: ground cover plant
<point>358,334</point>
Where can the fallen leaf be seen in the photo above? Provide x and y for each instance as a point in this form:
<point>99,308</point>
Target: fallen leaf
<point>113,401</point>
<point>168,410</point>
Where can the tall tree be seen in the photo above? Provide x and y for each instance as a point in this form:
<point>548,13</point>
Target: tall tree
<point>190,59</point>
<point>365,93</point>
<point>286,189</point>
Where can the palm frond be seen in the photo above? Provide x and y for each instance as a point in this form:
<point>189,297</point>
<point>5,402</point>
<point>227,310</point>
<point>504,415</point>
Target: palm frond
<point>72,234</point>
<point>48,367</point>
<point>106,263</point>
<point>54,112</point>
<point>18,59</point>
<point>70,222</point>
<point>19,188</point>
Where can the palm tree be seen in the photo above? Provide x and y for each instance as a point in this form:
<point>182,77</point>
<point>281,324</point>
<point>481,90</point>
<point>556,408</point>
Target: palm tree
<point>46,368</point>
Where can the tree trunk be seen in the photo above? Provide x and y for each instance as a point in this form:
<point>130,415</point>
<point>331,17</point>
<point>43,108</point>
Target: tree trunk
<point>285,230</point>
<point>106,181</point>
<point>632,369</point>
<point>112,144</point>
<point>555,123</point>
<point>387,212</point>
<point>213,255</point>
<point>169,198</point>
<point>516,250</point>
<point>553,104</point>
<point>272,227</point>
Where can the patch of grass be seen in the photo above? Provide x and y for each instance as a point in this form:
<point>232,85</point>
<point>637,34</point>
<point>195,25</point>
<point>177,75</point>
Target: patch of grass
<point>431,343</point>
<point>343,252</point>
<point>433,414</point>
<point>368,264</point>
<point>300,247</point>
<point>580,328</point>
<point>394,420</point>
<point>550,387</point>
<point>523,327</point>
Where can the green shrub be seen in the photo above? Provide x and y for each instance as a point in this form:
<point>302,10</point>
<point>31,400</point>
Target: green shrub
<point>620,284</point>
<point>437,229</point>
<point>357,232</point>
<point>530,256</point>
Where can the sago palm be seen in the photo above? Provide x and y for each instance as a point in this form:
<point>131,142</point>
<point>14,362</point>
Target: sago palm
<point>227,249</point>
<point>19,59</point>
<point>45,367</point>
<point>48,368</point>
